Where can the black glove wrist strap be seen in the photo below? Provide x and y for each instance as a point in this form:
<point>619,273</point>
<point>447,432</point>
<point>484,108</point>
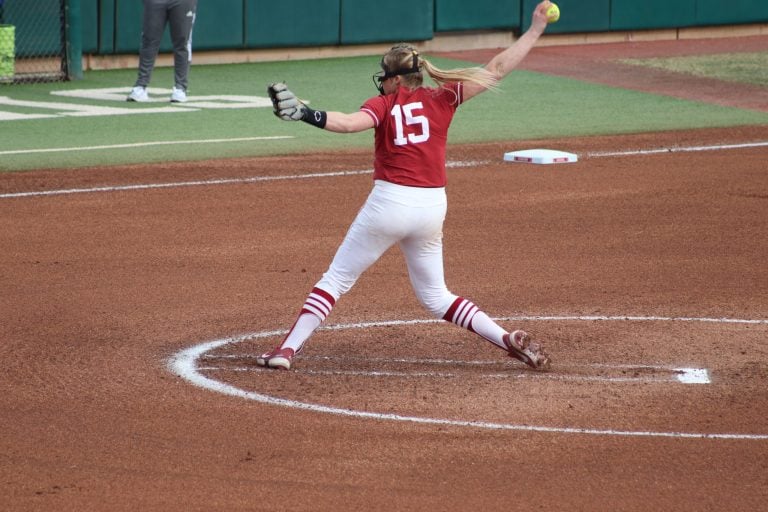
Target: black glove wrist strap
<point>315,117</point>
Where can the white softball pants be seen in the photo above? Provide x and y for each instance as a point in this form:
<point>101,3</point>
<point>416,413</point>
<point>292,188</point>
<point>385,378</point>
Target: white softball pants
<point>409,216</point>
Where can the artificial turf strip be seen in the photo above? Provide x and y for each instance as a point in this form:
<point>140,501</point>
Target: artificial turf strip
<point>531,105</point>
<point>747,68</point>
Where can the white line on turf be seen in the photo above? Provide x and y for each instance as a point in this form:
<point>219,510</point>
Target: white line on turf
<point>184,364</point>
<point>139,145</point>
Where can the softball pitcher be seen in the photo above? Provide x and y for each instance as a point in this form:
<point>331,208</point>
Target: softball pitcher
<point>408,204</point>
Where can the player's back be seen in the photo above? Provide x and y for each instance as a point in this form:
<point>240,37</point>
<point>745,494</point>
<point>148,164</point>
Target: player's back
<point>412,132</point>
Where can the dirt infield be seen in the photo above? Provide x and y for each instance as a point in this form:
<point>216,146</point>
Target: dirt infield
<point>644,272</point>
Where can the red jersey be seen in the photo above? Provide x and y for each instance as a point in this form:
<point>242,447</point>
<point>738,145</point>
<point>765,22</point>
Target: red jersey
<point>411,133</point>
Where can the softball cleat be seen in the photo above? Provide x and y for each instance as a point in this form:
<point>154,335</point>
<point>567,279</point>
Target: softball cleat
<point>279,358</point>
<point>520,346</point>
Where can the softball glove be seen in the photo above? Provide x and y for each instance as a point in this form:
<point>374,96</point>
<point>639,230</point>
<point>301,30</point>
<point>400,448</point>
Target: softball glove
<point>285,104</point>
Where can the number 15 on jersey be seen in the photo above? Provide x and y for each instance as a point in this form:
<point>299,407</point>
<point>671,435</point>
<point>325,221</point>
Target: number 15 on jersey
<point>407,114</point>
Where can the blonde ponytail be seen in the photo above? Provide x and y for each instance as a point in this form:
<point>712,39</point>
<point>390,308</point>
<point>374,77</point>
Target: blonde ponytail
<point>475,75</point>
<point>400,60</point>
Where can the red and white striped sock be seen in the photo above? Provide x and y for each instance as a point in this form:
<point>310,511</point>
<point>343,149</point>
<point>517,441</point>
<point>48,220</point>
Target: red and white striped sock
<point>466,314</point>
<point>316,309</point>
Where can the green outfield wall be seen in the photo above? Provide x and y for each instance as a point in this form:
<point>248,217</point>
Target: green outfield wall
<point>652,14</point>
<point>267,26</point>
<point>114,26</point>
<point>457,15</point>
<point>718,12</point>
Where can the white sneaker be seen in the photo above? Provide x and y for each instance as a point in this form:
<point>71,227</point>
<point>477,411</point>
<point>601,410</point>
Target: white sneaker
<point>139,94</point>
<point>178,95</point>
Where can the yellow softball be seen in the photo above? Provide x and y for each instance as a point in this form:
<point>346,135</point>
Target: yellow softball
<point>553,13</point>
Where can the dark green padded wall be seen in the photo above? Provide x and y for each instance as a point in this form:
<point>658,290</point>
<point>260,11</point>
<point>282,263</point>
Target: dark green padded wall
<point>219,25</point>
<point>106,26</point>
<point>114,26</point>
<point>453,15</point>
<point>128,26</point>
<point>721,12</point>
<point>291,23</point>
<point>376,21</point>
<point>89,21</point>
<point>652,14</point>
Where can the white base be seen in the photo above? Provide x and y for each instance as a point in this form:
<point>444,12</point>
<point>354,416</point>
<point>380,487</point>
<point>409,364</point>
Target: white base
<point>540,156</point>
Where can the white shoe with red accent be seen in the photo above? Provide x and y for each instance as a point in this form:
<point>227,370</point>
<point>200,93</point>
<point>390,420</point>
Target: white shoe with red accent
<point>523,348</point>
<point>279,358</point>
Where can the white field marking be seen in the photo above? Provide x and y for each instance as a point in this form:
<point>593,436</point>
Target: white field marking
<point>354,373</point>
<point>161,95</point>
<point>118,95</point>
<point>693,376</point>
<point>184,364</point>
<point>682,149</point>
<point>668,373</point>
<point>139,145</point>
<point>639,319</point>
<point>223,181</point>
<point>176,184</point>
<point>12,116</point>
<point>686,376</point>
<point>450,164</point>
<point>79,110</point>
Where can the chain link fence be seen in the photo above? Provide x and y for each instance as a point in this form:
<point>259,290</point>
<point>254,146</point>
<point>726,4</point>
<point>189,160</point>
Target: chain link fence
<point>32,41</point>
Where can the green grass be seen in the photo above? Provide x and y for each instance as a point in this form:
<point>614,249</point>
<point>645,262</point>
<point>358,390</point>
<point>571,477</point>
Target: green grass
<point>531,105</point>
<point>748,68</point>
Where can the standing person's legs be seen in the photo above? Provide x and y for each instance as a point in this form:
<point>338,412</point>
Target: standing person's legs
<point>181,18</point>
<point>153,24</point>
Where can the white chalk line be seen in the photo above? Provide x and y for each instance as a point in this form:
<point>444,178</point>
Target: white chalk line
<point>559,318</point>
<point>662,374</point>
<point>685,375</point>
<point>681,149</point>
<point>232,181</point>
<point>222,181</point>
<point>184,364</point>
<point>139,145</point>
